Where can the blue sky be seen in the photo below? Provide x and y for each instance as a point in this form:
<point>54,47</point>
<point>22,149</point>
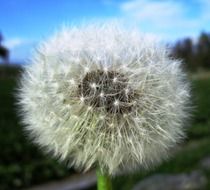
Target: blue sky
<point>25,22</point>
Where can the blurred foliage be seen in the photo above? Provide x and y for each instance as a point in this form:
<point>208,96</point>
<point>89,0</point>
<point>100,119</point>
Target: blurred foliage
<point>9,71</point>
<point>195,53</point>
<point>4,52</point>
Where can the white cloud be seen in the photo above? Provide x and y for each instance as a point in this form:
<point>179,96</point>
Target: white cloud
<point>205,9</point>
<point>152,11</point>
<point>168,17</point>
<point>15,42</point>
<point>20,48</point>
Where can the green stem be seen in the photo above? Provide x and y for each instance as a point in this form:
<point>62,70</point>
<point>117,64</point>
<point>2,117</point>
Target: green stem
<point>103,181</point>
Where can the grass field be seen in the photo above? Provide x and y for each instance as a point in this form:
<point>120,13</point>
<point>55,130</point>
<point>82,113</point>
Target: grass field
<point>22,164</point>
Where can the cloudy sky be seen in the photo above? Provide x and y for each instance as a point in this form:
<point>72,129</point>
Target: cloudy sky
<point>24,23</point>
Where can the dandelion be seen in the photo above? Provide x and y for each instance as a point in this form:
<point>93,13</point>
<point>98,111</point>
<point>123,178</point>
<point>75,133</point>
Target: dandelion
<point>104,96</point>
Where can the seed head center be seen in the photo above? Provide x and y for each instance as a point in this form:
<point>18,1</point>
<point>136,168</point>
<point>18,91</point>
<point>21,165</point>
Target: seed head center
<point>107,90</point>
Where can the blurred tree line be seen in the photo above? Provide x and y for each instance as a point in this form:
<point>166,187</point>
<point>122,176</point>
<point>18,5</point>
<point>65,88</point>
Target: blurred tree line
<point>4,52</point>
<point>195,53</point>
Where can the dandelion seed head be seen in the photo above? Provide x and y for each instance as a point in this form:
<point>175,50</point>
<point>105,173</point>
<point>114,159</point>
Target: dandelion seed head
<point>105,95</point>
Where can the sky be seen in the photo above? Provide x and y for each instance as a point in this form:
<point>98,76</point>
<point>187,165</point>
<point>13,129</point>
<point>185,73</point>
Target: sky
<point>24,23</point>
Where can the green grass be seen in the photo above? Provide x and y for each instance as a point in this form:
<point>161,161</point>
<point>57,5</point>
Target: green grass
<point>22,164</point>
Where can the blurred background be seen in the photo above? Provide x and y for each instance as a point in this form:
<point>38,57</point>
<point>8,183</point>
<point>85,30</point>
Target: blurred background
<point>183,25</point>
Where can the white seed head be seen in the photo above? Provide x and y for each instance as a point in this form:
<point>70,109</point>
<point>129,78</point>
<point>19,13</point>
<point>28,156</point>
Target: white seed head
<point>105,95</point>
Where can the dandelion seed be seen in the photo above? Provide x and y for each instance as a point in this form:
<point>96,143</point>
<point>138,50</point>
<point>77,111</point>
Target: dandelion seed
<point>105,69</point>
<point>101,117</point>
<point>115,79</point>
<point>126,90</point>
<point>86,69</point>
<point>89,108</point>
<point>93,85</point>
<point>82,99</point>
<point>101,94</point>
<point>72,82</point>
<point>116,103</point>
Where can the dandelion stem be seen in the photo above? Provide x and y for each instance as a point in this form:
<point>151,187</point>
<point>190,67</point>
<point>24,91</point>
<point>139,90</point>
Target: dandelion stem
<point>103,181</point>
